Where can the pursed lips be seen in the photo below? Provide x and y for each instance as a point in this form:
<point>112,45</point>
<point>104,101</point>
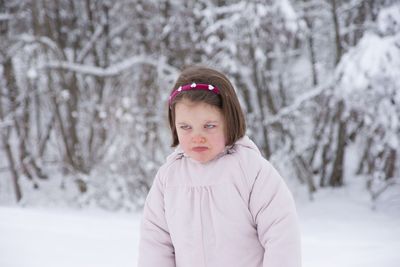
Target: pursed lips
<point>199,148</point>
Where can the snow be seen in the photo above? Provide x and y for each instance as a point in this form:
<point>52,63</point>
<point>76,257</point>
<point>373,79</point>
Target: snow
<point>338,229</point>
<point>300,100</point>
<point>5,16</point>
<point>373,57</point>
<point>284,7</point>
<point>32,74</point>
<point>40,238</point>
<point>389,20</point>
<point>112,70</point>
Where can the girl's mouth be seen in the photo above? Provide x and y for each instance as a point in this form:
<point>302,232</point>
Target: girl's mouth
<point>200,148</point>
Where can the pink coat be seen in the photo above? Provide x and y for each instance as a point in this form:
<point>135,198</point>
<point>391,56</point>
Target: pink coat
<point>235,211</point>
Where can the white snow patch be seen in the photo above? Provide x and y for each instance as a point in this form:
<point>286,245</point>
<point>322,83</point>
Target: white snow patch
<point>338,229</point>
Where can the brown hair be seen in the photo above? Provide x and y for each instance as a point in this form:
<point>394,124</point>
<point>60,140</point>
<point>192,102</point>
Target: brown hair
<point>226,101</point>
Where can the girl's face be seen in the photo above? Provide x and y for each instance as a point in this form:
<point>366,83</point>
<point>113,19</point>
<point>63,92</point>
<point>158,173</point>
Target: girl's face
<point>201,130</point>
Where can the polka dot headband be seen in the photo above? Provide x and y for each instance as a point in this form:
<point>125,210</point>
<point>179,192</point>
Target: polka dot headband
<point>193,86</point>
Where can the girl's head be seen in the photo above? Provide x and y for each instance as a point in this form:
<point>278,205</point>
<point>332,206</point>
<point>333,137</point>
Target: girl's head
<point>205,117</point>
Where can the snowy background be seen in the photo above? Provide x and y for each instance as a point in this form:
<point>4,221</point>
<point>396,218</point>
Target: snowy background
<point>338,229</point>
<point>83,89</point>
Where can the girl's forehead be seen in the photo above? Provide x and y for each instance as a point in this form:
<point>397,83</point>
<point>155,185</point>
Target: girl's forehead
<point>187,104</point>
<point>191,110</point>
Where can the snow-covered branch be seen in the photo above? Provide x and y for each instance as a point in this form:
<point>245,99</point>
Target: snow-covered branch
<point>113,70</point>
<point>46,41</point>
<point>5,16</point>
<point>228,9</point>
<point>300,100</point>
<point>85,50</point>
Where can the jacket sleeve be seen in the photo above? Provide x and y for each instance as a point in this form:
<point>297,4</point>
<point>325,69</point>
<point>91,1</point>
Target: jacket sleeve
<point>155,245</point>
<point>274,213</point>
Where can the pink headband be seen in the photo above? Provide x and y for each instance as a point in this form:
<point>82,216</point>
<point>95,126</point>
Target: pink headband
<point>193,86</point>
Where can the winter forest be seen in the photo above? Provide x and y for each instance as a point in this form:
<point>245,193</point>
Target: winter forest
<point>84,86</point>
<point>83,118</point>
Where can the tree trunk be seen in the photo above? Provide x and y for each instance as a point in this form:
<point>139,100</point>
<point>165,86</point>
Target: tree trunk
<point>5,140</point>
<point>336,178</point>
<point>390,164</point>
<point>12,168</point>
<point>338,44</point>
<point>260,96</point>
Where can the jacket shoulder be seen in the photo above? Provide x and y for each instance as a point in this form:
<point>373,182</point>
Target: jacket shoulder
<point>165,168</point>
<point>251,162</point>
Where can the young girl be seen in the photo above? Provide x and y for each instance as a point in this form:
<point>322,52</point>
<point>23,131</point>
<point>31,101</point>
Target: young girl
<point>216,202</point>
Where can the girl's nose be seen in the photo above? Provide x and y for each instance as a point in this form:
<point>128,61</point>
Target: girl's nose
<point>199,139</point>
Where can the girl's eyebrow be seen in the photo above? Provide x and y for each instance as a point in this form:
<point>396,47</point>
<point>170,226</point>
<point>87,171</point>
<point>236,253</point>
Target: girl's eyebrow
<point>205,122</point>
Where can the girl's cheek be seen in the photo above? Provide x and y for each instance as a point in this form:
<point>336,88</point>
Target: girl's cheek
<point>184,133</point>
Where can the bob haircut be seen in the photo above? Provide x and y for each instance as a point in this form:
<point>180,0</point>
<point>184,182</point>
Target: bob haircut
<point>226,101</point>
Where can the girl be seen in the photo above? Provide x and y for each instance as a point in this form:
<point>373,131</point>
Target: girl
<point>216,202</point>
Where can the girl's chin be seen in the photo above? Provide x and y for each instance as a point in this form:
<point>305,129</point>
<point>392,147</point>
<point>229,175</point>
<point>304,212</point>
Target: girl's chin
<point>202,158</point>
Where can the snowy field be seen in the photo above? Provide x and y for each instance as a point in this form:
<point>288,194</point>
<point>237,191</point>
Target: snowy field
<point>338,229</point>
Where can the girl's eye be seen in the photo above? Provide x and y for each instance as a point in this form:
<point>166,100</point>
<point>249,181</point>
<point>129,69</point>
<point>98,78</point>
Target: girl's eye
<point>184,127</point>
<point>209,126</point>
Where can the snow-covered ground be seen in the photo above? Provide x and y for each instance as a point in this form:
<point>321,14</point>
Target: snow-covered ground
<point>339,229</point>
